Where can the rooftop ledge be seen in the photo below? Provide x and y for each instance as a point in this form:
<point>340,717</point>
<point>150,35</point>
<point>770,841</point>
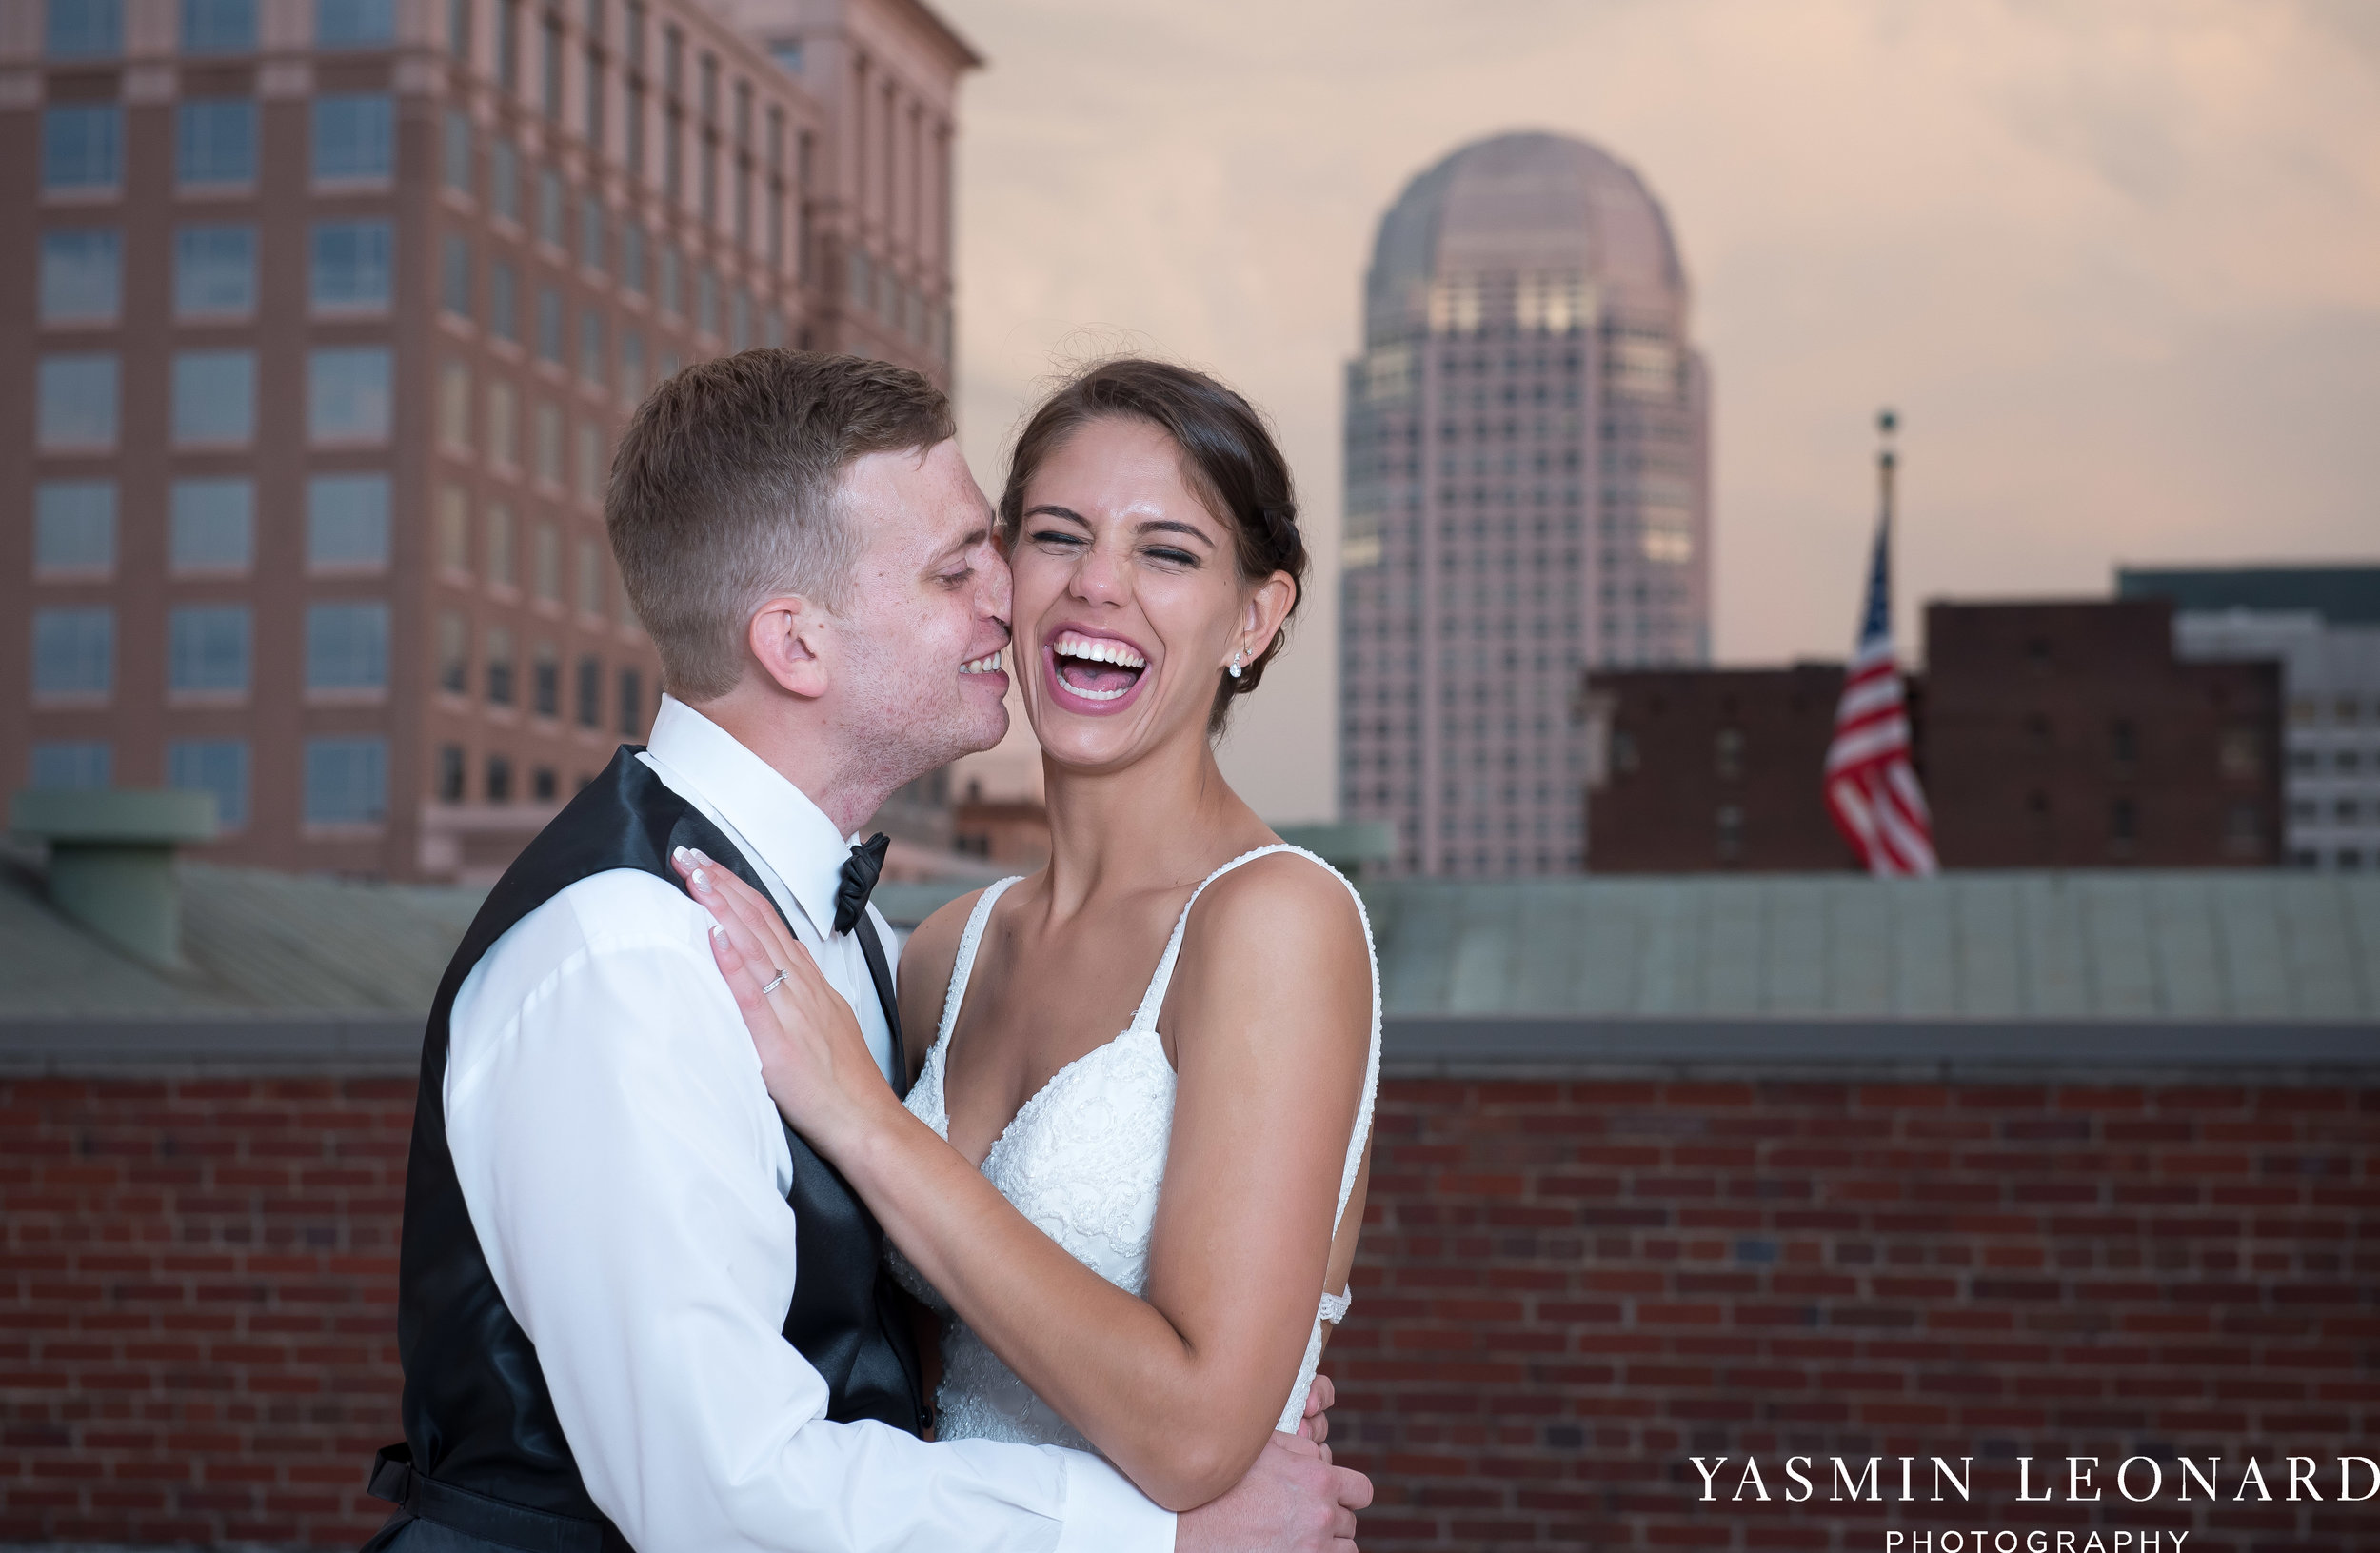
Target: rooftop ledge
<point>1459,1047</point>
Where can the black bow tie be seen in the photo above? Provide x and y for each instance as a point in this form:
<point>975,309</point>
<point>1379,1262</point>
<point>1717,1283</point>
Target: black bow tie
<point>858,881</point>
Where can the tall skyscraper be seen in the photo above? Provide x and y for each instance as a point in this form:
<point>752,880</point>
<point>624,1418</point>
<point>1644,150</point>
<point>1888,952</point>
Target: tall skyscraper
<point>321,323</point>
<point>1528,495</point>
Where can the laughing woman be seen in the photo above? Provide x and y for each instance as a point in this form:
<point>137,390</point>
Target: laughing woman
<point>1131,1169</point>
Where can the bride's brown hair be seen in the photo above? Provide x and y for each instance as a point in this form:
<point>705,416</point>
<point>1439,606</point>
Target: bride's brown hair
<point>1229,461</point>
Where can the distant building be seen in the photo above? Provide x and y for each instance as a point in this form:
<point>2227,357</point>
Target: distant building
<point>2059,735</point>
<point>2323,624</point>
<point>325,316</point>
<point>1528,495</point>
<point>1713,768</point>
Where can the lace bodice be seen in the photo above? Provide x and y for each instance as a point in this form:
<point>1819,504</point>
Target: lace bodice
<point>1083,1159</point>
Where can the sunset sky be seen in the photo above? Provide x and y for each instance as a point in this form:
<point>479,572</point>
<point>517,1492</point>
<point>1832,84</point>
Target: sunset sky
<point>2117,264</point>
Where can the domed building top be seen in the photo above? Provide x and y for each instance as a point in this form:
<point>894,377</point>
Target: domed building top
<point>1526,204</point>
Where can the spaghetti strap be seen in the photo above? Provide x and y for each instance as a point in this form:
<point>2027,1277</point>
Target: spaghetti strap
<point>1144,1018</point>
<point>963,967</point>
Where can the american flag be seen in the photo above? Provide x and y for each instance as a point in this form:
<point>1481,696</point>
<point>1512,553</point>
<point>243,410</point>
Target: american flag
<point>1870,788</point>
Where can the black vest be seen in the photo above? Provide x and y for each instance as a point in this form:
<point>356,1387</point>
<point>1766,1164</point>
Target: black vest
<point>477,1414</point>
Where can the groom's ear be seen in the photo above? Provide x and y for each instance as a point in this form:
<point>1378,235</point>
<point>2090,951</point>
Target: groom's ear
<point>788,638</point>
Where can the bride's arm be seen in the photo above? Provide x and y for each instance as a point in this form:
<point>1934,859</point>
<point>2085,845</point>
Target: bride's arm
<point>1271,1016</point>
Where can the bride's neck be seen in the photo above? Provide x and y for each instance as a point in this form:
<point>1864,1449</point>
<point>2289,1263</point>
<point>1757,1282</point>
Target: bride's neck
<point>1153,823</point>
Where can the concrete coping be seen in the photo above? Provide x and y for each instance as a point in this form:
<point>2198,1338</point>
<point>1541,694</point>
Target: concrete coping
<point>114,817</point>
<point>377,1042</point>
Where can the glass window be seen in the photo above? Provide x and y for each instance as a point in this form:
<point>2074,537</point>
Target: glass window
<point>591,579</point>
<point>591,233</point>
<point>346,519</point>
<point>591,347</point>
<point>215,766</point>
<point>632,258</point>
<point>82,276</point>
<point>208,649</point>
<point>499,779</point>
<point>81,146</point>
<point>347,395</point>
<point>86,28</point>
<point>350,267</point>
<point>77,402</point>
<point>75,651</point>
<point>499,656</point>
<point>503,180</point>
<point>591,696</point>
<point>353,24</point>
<point>214,396</point>
<point>457,148</point>
<point>545,682</point>
<point>218,26</point>
<point>546,432</point>
<point>631,703</point>
<point>500,544</point>
<point>454,529</point>
<point>354,136</point>
<point>504,303</point>
<point>459,29</point>
<point>503,425</point>
<point>74,526</point>
<point>740,319</point>
<point>454,275</point>
<point>214,141</point>
<point>454,653</point>
<point>631,367</point>
<point>590,465</point>
<point>454,406</point>
<point>549,207</point>
<point>346,647</point>
<point>214,270</point>
<point>550,324</point>
<point>215,524</point>
<point>74,766</point>
<point>346,781</point>
<point>546,572</point>
<point>669,288</point>
<point>706,300</point>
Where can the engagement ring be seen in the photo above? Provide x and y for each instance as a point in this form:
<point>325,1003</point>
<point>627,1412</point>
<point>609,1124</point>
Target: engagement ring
<point>775,982</point>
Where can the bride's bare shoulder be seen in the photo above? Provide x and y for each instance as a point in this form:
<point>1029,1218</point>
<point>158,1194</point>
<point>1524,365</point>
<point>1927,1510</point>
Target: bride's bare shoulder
<point>1285,909</point>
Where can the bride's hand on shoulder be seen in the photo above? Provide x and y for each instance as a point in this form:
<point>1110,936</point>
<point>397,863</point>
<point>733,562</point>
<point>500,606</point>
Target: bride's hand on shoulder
<point>813,1058</point>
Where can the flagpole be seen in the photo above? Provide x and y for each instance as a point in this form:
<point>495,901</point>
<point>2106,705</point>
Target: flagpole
<point>1887,423</point>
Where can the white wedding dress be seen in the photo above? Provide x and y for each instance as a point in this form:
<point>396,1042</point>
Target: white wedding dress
<point>1083,1159</point>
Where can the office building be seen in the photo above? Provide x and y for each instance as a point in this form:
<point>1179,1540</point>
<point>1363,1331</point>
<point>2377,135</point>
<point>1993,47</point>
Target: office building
<point>325,320</point>
<point>1527,495</point>
<point>2323,624</point>
<point>2046,735</point>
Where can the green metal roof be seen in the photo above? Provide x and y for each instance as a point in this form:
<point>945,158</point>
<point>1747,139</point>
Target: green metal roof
<point>2162,945</point>
<point>2247,945</point>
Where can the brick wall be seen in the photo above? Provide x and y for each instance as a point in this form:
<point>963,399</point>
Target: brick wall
<point>1569,1286</point>
<point>197,1288</point>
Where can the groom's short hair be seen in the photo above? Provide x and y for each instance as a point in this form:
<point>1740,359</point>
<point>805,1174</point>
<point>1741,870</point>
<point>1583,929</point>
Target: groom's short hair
<point>723,494</point>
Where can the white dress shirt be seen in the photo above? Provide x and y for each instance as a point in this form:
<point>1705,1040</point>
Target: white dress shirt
<point>625,1172</point>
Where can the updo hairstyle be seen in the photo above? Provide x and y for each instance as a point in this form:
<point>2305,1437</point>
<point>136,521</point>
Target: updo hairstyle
<point>1229,461</point>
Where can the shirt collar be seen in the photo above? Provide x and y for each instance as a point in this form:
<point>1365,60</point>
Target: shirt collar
<point>792,834</point>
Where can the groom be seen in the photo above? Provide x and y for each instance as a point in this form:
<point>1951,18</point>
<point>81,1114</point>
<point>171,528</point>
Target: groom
<point>635,1311</point>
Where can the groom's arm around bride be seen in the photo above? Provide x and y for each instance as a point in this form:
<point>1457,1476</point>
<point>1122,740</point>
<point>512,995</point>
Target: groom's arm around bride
<point>635,1311</point>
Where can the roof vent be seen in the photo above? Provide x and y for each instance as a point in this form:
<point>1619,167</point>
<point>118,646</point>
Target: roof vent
<point>112,860</point>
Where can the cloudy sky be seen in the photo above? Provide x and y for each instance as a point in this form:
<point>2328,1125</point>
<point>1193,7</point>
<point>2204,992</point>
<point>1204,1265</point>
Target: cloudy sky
<point>2117,264</point>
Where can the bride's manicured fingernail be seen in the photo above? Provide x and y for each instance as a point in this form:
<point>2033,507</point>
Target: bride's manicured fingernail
<point>677,854</point>
<point>699,855</point>
<point>700,881</point>
<point>718,932</point>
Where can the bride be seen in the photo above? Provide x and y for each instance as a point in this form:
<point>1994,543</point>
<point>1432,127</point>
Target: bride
<point>1139,1241</point>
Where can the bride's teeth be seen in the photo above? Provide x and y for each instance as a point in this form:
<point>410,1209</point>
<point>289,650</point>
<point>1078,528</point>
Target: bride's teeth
<point>1099,653</point>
